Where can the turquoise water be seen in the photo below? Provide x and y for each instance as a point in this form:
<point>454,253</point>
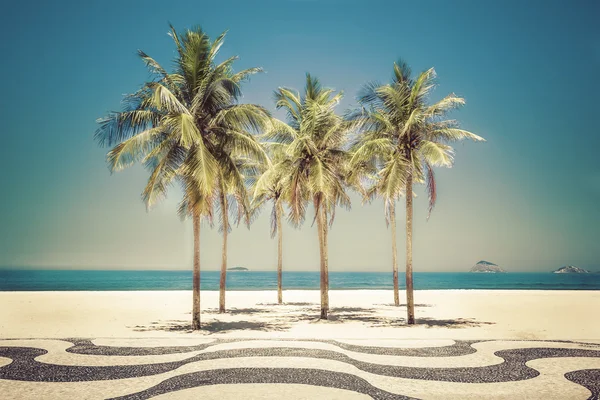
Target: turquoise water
<point>45,280</point>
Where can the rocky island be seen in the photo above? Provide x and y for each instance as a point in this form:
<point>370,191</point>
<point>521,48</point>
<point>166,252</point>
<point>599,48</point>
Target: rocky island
<point>486,266</point>
<point>237,269</point>
<point>570,269</point>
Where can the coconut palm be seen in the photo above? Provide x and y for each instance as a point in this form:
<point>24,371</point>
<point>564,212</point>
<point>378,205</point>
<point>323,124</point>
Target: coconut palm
<point>233,196</point>
<point>404,137</point>
<point>272,186</point>
<point>316,162</point>
<point>380,176</point>
<point>188,127</point>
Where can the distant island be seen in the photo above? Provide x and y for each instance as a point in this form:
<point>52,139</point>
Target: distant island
<point>486,266</point>
<point>570,269</point>
<point>237,269</point>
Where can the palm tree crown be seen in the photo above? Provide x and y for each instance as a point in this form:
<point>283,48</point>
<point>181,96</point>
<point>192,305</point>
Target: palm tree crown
<point>315,162</point>
<point>315,138</point>
<point>273,186</point>
<point>186,123</point>
<point>402,134</point>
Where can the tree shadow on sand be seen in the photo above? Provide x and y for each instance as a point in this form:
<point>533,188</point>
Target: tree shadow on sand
<point>452,323</point>
<point>284,321</point>
<point>291,303</point>
<point>455,323</point>
<point>369,317</point>
<point>211,327</point>
<point>240,311</point>
<point>337,315</point>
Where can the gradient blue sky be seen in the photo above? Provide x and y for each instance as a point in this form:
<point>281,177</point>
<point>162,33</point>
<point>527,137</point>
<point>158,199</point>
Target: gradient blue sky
<point>527,199</point>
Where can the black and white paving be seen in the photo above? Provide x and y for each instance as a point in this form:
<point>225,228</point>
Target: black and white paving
<point>208,368</point>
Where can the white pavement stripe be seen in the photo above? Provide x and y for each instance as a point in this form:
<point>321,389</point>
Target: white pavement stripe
<point>92,390</point>
<point>263,391</point>
<point>151,342</point>
<point>397,343</point>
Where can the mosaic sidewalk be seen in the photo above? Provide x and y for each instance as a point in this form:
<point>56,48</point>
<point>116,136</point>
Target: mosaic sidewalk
<point>292,369</point>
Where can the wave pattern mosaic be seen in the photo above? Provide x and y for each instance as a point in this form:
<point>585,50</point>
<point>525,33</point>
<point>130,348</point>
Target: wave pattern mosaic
<point>274,369</point>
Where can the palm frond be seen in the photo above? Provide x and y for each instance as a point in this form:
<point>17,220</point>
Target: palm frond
<point>164,100</point>
<point>134,149</point>
<point>119,126</point>
<point>452,135</point>
<point>245,74</point>
<point>436,154</point>
<point>216,46</point>
<point>431,189</point>
<point>163,174</point>
<point>448,103</point>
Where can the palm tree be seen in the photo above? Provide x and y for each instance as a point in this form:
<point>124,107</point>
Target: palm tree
<point>405,138</point>
<point>186,126</point>
<point>272,186</point>
<point>233,196</point>
<point>316,162</point>
<point>383,169</point>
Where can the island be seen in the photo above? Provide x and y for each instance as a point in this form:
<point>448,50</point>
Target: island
<point>570,269</point>
<point>237,269</point>
<point>486,266</point>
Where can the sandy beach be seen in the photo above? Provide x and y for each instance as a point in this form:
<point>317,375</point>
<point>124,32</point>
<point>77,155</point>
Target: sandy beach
<point>467,344</point>
<point>354,314</point>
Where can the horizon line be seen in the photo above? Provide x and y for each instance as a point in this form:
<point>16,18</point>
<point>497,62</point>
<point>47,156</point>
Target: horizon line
<point>104,269</point>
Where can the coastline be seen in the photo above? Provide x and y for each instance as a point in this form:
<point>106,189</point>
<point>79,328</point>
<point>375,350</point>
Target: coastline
<point>136,280</point>
<point>462,314</point>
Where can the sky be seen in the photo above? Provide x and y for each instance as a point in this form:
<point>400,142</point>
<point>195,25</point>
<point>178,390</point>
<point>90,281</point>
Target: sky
<point>528,199</point>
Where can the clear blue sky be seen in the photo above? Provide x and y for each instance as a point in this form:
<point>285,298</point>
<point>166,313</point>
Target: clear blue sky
<point>527,199</point>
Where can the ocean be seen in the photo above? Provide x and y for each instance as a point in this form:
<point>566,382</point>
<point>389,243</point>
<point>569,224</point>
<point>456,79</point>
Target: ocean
<point>96,280</point>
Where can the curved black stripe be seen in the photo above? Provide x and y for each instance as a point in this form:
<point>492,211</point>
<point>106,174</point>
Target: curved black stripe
<point>459,348</point>
<point>25,368</point>
<point>314,377</point>
<point>589,379</point>
<point>85,346</point>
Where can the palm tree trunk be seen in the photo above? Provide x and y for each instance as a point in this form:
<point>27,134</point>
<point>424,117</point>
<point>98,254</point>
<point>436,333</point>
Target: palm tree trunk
<point>196,274</point>
<point>279,255</point>
<point>326,253</point>
<point>410,303</point>
<point>324,296</point>
<point>394,252</point>
<point>223,281</point>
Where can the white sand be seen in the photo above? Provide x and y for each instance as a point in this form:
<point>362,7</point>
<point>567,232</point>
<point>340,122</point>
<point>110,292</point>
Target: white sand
<point>355,314</point>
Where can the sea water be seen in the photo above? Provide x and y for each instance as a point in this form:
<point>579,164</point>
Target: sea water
<point>62,280</point>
